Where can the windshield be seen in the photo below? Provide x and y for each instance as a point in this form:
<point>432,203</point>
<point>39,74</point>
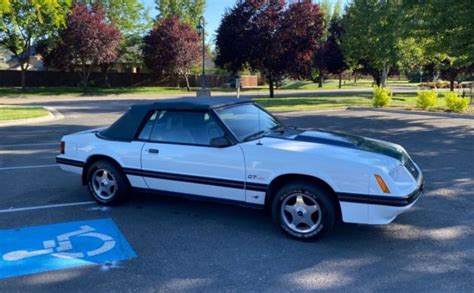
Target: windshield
<point>248,121</point>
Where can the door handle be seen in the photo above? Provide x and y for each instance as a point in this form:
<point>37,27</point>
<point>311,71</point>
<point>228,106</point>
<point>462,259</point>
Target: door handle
<point>153,151</point>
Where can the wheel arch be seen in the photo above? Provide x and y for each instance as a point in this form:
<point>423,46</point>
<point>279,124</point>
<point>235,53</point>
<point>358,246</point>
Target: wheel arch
<point>95,158</point>
<point>284,179</point>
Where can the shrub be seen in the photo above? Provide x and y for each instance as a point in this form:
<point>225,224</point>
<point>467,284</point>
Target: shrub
<point>426,99</point>
<point>382,97</point>
<point>456,103</point>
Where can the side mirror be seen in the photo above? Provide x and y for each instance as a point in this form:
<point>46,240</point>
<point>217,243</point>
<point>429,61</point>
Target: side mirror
<point>220,142</point>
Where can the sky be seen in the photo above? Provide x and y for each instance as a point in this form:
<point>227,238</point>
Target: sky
<point>213,13</point>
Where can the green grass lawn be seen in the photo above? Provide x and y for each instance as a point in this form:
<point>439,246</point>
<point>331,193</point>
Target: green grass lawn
<point>77,91</point>
<point>145,90</point>
<point>337,101</point>
<point>12,113</point>
<point>333,84</point>
<point>296,104</point>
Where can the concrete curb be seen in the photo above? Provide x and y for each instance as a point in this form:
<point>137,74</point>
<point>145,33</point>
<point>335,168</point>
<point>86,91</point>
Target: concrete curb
<point>53,114</point>
<point>383,110</point>
<point>295,112</point>
<point>414,112</point>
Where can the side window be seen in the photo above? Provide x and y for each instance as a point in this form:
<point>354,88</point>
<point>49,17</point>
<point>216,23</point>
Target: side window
<point>146,131</point>
<point>186,127</point>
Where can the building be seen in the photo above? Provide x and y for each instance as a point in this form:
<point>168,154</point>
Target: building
<point>9,62</point>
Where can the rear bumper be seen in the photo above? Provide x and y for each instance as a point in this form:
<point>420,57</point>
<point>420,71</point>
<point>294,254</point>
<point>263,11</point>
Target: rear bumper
<point>69,165</point>
<point>64,161</point>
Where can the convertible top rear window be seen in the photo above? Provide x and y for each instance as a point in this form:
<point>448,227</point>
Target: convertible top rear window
<point>126,127</point>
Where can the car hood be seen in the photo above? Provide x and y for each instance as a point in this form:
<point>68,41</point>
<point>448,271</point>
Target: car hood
<point>347,141</point>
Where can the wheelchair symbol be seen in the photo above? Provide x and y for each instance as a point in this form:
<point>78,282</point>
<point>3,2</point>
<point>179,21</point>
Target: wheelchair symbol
<point>64,244</point>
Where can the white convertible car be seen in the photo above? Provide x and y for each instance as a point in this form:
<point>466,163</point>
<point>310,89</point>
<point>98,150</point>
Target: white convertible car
<point>232,150</point>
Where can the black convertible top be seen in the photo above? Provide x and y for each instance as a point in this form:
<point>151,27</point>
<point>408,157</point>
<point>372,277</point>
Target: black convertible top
<point>198,103</point>
<point>127,126</point>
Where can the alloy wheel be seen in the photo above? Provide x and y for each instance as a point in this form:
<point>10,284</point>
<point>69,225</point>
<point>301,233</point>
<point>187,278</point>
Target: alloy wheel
<point>301,213</point>
<point>104,184</point>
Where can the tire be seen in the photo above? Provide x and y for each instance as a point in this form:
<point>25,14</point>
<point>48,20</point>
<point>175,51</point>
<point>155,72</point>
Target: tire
<point>107,183</point>
<point>303,210</point>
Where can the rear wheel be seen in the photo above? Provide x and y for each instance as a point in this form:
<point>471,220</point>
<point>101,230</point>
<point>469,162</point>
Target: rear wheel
<point>106,183</point>
<point>304,210</point>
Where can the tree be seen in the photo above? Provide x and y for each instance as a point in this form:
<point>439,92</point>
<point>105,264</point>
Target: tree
<point>334,56</point>
<point>445,32</point>
<point>450,23</point>
<point>233,36</point>
<point>452,68</point>
<point>329,57</point>
<point>301,28</point>
<point>87,41</point>
<point>330,12</point>
<point>413,55</point>
<point>129,16</point>
<point>270,37</point>
<point>320,64</point>
<point>4,6</point>
<point>132,20</point>
<point>336,11</point>
<point>267,50</point>
<point>22,23</point>
<point>172,48</point>
<point>373,30</point>
<point>187,11</point>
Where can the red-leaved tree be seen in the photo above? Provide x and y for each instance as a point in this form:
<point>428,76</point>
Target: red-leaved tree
<point>270,36</point>
<point>301,28</point>
<point>171,48</point>
<point>87,42</point>
<point>233,36</point>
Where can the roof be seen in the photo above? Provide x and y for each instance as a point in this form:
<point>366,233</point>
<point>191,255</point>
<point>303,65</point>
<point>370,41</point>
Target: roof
<point>198,103</point>
<point>126,127</point>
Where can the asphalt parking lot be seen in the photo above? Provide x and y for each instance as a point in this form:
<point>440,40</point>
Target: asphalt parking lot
<point>187,245</point>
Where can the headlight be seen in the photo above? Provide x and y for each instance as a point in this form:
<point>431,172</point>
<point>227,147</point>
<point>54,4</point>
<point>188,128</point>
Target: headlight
<point>410,166</point>
<point>401,174</point>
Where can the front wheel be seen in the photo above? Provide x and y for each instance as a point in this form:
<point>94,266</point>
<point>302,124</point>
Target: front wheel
<point>303,210</point>
<point>106,183</point>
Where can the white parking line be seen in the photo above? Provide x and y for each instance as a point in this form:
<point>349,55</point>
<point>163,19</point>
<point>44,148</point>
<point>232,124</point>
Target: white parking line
<point>14,210</point>
<point>39,131</point>
<point>28,167</point>
<point>28,144</point>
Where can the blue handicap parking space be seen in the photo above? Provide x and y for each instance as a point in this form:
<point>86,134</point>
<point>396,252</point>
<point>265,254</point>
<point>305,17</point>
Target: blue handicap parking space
<point>59,246</point>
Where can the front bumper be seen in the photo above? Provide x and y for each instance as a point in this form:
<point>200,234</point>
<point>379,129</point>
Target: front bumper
<point>394,201</point>
<point>376,210</point>
<point>382,214</point>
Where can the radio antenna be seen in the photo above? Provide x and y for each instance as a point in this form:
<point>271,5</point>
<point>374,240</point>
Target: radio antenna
<point>258,117</point>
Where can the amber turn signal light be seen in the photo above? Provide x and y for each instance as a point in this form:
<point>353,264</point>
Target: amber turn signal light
<point>382,184</point>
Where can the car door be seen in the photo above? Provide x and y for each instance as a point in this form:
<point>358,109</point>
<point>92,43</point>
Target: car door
<point>178,157</point>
